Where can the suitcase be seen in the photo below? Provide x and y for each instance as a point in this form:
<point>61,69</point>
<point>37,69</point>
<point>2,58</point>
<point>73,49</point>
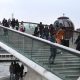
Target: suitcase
<point>65,42</point>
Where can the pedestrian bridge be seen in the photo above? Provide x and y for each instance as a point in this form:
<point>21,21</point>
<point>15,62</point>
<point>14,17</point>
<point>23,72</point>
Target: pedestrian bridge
<point>34,52</point>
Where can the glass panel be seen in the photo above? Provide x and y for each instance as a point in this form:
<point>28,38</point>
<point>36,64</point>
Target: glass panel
<point>30,27</point>
<point>58,61</point>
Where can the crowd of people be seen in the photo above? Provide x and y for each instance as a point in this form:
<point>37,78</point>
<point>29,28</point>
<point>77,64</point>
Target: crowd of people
<point>14,24</point>
<point>46,31</point>
<point>55,35</point>
<point>49,32</point>
<point>16,71</point>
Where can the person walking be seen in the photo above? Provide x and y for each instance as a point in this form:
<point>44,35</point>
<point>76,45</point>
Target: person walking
<point>41,28</point>
<point>21,71</point>
<point>60,35</point>
<point>46,32</point>
<point>17,69</point>
<point>21,27</point>
<point>78,46</point>
<point>53,50</point>
<point>11,70</point>
<point>36,32</point>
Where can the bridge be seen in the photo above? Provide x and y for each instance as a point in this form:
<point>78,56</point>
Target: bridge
<point>34,52</point>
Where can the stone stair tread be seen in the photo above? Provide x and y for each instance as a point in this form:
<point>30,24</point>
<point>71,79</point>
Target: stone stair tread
<point>71,77</point>
<point>66,69</point>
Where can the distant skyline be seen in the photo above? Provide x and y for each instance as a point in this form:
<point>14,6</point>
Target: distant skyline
<point>46,11</point>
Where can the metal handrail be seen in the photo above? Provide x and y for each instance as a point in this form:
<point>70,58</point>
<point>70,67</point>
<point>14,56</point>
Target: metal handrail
<point>72,51</point>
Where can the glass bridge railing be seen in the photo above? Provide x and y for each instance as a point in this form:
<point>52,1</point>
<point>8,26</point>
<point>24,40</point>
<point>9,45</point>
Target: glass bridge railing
<point>30,27</point>
<point>66,64</point>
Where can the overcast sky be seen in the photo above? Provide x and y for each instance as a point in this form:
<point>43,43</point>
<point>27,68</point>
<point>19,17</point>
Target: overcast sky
<point>46,11</point>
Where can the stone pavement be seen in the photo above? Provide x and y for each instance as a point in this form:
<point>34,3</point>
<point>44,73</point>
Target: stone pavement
<point>5,78</point>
